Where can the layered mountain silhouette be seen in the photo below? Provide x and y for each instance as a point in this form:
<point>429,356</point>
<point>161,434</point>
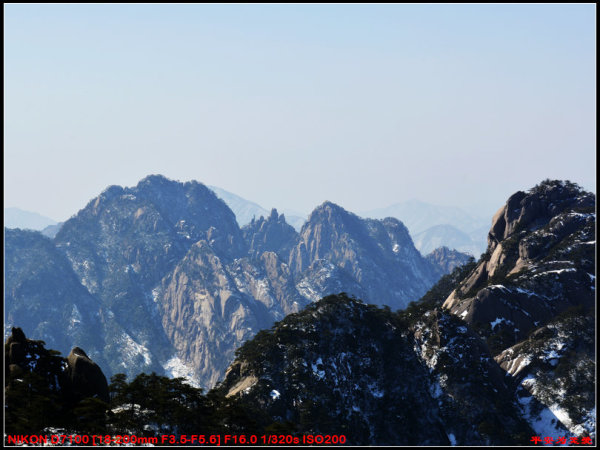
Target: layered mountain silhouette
<point>437,236</point>
<point>495,352</point>
<point>434,226</point>
<point>170,283</point>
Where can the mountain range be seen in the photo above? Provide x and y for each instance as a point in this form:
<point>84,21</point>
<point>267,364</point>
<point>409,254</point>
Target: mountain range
<point>431,226</point>
<point>497,351</point>
<point>147,267</point>
<point>419,216</point>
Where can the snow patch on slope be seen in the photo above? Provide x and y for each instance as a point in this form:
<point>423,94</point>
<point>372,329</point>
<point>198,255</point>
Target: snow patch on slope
<point>176,368</point>
<point>131,351</point>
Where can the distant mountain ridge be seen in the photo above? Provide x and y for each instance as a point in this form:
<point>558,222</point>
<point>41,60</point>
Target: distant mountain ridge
<point>433,226</point>
<point>418,216</point>
<point>450,236</point>
<point>19,218</point>
<point>51,230</point>
<point>245,210</point>
<point>415,214</point>
<point>447,260</point>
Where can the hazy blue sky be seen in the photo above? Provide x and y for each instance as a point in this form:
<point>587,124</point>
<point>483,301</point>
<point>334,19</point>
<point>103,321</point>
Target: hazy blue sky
<point>291,105</point>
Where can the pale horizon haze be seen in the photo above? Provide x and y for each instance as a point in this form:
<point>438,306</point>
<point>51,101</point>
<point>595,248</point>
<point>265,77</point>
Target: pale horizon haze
<point>291,105</point>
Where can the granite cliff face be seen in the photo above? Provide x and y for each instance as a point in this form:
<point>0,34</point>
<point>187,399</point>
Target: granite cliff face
<point>539,262</point>
<point>532,298</point>
<point>200,299</point>
<point>126,240</point>
<point>224,302</point>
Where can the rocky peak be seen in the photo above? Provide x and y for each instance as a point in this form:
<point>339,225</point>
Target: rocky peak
<point>273,215</point>
<point>272,234</point>
<point>329,232</point>
<point>192,208</point>
<point>329,212</point>
<point>16,336</point>
<point>155,203</point>
<point>378,254</point>
<point>141,232</point>
<point>446,260</point>
<point>155,180</point>
<point>109,193</point>
<point>76,351</point>
<point>535,208</point>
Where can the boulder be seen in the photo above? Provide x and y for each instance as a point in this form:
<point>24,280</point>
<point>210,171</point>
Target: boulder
<point>85,376</point>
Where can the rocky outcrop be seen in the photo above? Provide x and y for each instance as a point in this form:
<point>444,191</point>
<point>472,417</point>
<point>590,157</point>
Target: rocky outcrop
<point>539,262</point>
<point>73,378</point>
<point>272,234</point>
<point>15,351</point>
<point>85,376</point>
<point>532,298</point>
